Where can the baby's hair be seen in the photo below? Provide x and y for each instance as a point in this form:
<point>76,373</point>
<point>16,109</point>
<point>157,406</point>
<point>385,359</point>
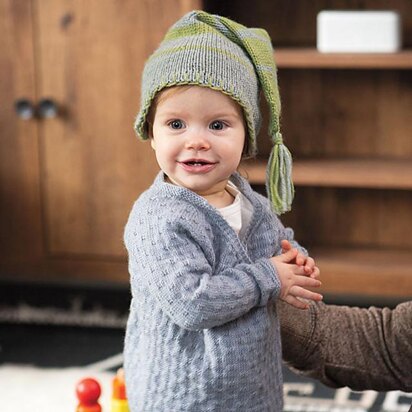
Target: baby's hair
<point>160,97</point>
<point>167,92</point>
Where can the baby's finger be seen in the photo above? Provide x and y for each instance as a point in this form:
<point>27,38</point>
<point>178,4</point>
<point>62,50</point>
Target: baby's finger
<point>300,292</point>
<point>305,294</point>
<point>299,271</point>
<point>288,256</point>
<point>296,302</point>
<point>316,273</point>
<point>300,259</point>
<point>307,282</point>
<point>309,264</point>
<point>286,245</point>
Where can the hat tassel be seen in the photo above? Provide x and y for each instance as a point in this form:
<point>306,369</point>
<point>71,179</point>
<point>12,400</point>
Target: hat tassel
<point>279,177</point>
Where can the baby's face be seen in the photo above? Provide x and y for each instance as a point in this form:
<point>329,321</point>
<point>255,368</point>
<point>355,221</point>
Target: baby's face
<point>198,137</point>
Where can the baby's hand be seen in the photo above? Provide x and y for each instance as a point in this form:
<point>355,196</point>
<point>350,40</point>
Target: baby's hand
<point>307,262</point>
<point>294,280</point>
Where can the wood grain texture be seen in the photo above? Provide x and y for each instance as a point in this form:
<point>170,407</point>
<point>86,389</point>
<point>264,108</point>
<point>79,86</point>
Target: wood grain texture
<point>20,213</point>
<point>91,56</point>
<point>356,173</point>
<point>66,270</point>
<point>310,58</point>
<point>346,114</point>
<point>352,218</point>
<point>383,273</point>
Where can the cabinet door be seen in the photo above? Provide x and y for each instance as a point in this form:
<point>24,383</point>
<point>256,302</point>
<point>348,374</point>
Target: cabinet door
<point>89,57</point>
<point>20,215</point>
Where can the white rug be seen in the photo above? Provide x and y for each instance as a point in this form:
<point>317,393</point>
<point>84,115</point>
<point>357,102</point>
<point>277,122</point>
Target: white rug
<point>30,389</point>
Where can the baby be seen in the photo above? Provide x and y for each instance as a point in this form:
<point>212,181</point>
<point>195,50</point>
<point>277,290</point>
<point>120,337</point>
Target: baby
<point>208,256</point>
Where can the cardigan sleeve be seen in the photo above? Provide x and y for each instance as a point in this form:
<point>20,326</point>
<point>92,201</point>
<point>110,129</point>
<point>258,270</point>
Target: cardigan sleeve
<point>288,234</point>
<point>283,232</point>
<point>349,346</point>
<point>176,265</point>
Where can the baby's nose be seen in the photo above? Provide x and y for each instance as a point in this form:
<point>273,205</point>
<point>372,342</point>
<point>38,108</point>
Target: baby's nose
<point>197,141</point>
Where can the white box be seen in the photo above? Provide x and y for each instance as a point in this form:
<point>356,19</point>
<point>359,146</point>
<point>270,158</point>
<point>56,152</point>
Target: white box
<point>358,31</point>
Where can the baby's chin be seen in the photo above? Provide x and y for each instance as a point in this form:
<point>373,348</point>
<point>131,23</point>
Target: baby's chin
<point>202,188</point>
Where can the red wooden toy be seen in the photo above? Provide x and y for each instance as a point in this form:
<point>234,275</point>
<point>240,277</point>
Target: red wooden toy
<point>88,391</point>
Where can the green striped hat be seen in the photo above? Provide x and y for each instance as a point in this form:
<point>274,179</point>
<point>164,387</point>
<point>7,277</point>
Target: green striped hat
<point>213,51</point>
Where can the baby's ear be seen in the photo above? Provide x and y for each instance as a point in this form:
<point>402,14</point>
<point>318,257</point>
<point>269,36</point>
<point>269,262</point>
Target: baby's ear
<point>152,142</point>
<point>245,151</point>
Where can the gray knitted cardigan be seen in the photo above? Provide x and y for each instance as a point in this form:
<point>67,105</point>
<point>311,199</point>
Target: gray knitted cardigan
<point>203,333</point>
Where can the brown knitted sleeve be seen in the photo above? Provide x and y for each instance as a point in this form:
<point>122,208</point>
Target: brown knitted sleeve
<point>348,346</point>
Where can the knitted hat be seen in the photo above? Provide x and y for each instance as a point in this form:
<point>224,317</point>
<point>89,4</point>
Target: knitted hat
<point>216,52</point>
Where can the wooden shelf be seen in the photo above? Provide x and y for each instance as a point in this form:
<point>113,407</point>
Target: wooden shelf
<point>296,58</point>
<point>365,272</point>
<point>354,173</point>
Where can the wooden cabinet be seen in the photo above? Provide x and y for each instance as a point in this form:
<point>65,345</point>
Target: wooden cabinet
<point>346,119</point>
<point>67,183</point>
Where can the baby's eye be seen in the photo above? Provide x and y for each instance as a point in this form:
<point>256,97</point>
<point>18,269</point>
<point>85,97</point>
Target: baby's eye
<point>176,124</point>
<point>217,125</point>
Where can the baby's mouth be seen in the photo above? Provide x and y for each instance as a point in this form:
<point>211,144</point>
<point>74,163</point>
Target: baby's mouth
<point>197,166</point>
<point>196,162</point>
